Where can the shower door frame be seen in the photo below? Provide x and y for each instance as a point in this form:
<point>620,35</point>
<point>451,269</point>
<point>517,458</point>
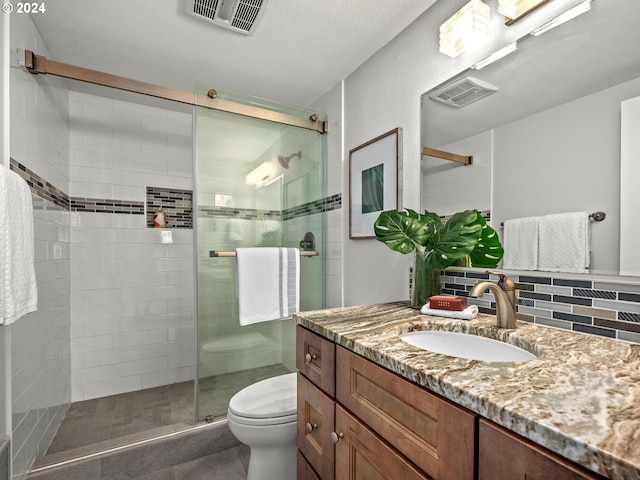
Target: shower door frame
<point>38,64</point>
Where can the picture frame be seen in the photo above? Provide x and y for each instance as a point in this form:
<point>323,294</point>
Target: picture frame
<point>374,182</point>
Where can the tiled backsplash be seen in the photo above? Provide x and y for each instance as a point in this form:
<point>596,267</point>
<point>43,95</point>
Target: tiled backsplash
<point>604,307</point>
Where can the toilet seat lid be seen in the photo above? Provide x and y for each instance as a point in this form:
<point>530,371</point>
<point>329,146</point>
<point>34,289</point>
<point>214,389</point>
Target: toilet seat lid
<point>273,397</point>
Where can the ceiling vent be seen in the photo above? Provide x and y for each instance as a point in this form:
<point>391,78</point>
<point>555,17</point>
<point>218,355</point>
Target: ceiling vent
<point>463,92</point>
<point>241,16</point>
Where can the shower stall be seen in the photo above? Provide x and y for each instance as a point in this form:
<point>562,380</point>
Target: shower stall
<point>257,180</point>
<point>258,183</point>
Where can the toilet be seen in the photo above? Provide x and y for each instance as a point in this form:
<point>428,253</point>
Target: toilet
<point>264,416</point>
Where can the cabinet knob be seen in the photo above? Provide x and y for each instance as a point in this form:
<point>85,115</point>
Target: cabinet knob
<point>308,357</point>
<point>335,437</point>
<point>311,427</point>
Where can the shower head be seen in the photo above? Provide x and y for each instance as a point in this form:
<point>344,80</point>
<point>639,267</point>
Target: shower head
<point>284,161</point>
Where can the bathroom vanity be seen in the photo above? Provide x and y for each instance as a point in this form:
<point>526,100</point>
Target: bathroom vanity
<point>373,406</point>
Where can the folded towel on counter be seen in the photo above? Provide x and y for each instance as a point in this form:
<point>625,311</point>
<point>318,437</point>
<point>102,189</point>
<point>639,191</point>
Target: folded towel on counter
<point>468,313</point>
<point>268,283</point>
<point>18,290</point>
<point>520,238</point>
<point>565,243</point>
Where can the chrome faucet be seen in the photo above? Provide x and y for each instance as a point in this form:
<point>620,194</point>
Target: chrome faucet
<point>505,293</point>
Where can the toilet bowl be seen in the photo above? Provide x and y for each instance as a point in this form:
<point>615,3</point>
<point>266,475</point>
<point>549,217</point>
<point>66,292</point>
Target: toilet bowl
<point>263,416</point>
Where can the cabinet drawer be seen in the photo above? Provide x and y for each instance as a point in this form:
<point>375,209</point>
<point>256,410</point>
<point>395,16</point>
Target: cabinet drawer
<point>362,455</point>
<point>507,456</point>
<point>316,359</point>
<point>433,433</point>
<point>316,419</point>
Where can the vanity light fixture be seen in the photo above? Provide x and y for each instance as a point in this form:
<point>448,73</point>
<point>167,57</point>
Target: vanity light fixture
<point>470,20</point>
<point>515,9</point>
<point>563,18</point>
<point>503,52</point>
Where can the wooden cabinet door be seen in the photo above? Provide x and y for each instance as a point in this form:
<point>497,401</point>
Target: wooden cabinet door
<point>316,359</point>
<point>505,456</point>
<point>435,434</point>
<point>305,472</point>
<point>362,455</point>
<point>316,419</point>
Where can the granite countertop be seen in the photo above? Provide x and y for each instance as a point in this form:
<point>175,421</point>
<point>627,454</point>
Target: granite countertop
<point>580,398</point>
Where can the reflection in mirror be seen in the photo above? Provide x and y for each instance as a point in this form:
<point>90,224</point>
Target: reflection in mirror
<point>549,139</point>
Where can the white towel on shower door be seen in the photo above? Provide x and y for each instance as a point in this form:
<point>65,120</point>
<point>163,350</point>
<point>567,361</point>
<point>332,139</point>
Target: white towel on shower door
<point>18,290</point>
<point>268,283</point>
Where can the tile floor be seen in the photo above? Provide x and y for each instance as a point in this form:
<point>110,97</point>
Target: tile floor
<point>97,425</point>
<point>226,465</point>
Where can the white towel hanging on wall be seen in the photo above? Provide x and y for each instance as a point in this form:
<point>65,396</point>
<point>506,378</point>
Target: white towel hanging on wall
<point>18,290</point>
<point>565,243</point>
<point>521,243</point>
<point>268,283</point>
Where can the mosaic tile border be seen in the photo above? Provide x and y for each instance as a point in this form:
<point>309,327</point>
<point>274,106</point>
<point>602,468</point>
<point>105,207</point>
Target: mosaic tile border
<point>240,213</point>
<point>597,307</point>
<point>39,186</point>
<point>318,206</point>
<point>326,204</point>
<point>176,204</point>
<point>104,205</point>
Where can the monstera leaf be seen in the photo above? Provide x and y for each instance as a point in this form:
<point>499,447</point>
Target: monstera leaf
<point>440,243</point>
<point>402,231</point>
<point>488,251</point>
<point>455,239</point>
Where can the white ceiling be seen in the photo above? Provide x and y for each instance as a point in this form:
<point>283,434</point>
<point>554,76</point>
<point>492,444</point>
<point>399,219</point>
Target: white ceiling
<point>300,50</point>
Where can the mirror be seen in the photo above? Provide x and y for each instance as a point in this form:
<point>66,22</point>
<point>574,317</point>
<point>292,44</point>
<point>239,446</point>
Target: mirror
<point>548,141</point>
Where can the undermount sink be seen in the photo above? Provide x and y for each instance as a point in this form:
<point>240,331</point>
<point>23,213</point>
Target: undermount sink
<point>467,346</point>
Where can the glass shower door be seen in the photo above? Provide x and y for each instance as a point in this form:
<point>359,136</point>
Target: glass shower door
<point>258,183</point>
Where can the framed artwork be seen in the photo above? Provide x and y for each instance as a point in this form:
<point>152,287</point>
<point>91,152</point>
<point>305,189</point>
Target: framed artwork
<point>374,179</point>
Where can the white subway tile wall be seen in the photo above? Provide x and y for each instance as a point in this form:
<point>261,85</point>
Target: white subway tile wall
<point>40,354</point>
<point>133,296</point>
<point>331,104</point>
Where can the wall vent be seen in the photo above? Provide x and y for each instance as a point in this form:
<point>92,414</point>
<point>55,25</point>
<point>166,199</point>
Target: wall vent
<point>463,92</point>
<point>241,16</point>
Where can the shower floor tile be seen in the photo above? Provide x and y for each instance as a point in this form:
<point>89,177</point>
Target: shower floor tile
<point>96,425</point>
<point>92,426</point>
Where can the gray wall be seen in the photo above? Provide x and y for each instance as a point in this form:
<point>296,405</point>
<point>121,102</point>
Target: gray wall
<point>566,159</point>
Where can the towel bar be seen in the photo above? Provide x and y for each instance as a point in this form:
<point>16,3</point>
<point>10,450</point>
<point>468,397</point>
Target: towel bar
<point>595,216</point>
<point>216,253</point>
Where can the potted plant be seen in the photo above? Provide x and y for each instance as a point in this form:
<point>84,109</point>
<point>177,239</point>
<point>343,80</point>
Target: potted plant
<point>464,238</point>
